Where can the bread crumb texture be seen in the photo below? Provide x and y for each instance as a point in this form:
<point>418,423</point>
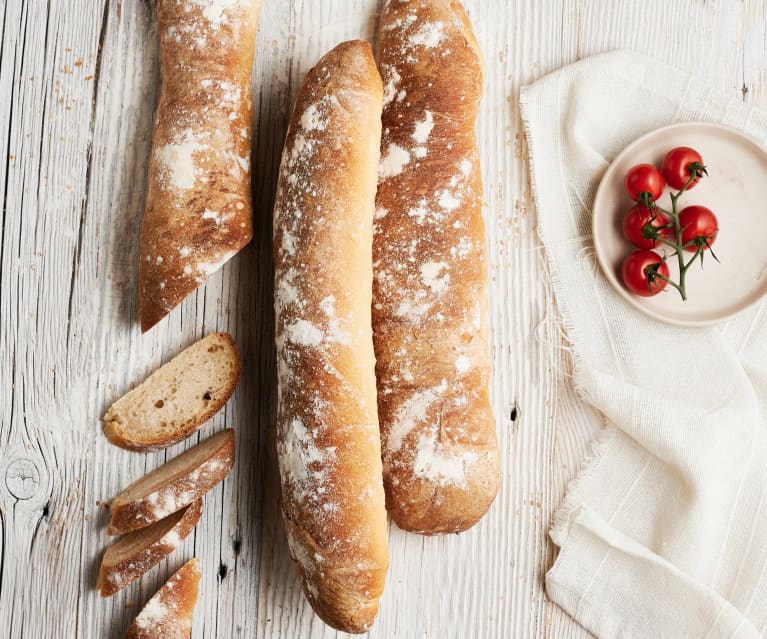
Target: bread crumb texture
<point>178,397</point>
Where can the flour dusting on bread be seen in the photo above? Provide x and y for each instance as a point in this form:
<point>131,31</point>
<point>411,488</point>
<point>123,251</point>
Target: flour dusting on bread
<point>199,170</point>
<point>168,614</point>
<point>440,451</point>
<point>328,442</point>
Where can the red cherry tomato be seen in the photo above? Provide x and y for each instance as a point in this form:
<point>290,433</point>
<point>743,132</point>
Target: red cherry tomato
<point>636,218</point>
<point>678,164</point>
<point>644,178</point>
<point>700,225</point>
<point>638,273</point>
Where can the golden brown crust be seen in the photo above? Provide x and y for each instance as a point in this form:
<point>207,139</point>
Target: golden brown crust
<point>168,614</point>
<point>430,312</point>
<point>327,427</point>
<point>173,485</point>
<point>198,209</point>
<point>134,554</point>
<point>121,432</point>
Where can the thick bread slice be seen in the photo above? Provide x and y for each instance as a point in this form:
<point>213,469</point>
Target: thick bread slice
<point>177,398</point>
<point>173,485</point>
<point>168,614</point>
<point>135,553</point>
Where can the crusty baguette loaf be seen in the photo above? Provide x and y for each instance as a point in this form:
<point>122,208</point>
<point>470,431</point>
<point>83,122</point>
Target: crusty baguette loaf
<point>168,614</point>
<point>135,553</point>
<point>198,209</point>
<point>327,427</point>
<point>173,485</point>
<point>430,297</point>
<point>176,399</point>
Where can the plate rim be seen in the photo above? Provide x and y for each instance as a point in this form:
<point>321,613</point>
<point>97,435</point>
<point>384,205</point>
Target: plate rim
<point>607,268</point>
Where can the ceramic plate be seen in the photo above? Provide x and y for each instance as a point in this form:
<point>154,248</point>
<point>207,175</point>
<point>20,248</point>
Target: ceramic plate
<point>735,189</point>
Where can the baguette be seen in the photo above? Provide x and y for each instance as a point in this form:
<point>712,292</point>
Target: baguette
<point>430,311</point>
<point>176,484</point>
<point>168,614</point>
<point>137,552</point>
<point>328,441</point>
<point>198,210</point>
<point>176,399</point>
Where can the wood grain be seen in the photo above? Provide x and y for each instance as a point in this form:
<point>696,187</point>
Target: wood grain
<point>77,89</point>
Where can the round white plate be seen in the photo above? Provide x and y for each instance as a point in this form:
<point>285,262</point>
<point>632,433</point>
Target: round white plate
<point>735,189</point>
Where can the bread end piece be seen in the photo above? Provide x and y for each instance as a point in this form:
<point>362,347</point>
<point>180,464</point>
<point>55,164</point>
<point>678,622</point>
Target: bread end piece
<point>175,400</point>
<point>420,507</point>
<point>168,614</point>
<point>345,597</point>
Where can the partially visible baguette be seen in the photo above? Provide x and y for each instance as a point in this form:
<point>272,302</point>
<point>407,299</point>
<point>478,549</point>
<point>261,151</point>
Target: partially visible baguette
<point>177,398</point>
<point>134,554</point>
<point>430,296</point>
<point>199,212</point>
<point>327,427</point>
<point>168,614</point>
<point>173,485</point>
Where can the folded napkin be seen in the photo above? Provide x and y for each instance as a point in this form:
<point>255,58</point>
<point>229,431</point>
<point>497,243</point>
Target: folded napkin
<point>664,533</point>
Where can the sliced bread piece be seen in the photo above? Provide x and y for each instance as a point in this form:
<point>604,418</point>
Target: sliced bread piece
<point>135,553</point>
<point>177,398</point>
<point>173,485</point>
<point>168,614</point>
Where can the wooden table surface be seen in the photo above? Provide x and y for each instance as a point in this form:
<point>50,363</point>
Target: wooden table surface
<point>77,88</point>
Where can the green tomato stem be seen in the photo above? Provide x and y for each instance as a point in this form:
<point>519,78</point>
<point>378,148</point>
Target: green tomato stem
<point>677,244</point>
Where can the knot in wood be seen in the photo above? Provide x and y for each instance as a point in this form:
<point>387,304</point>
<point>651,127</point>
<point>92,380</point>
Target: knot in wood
<point>22,479</point>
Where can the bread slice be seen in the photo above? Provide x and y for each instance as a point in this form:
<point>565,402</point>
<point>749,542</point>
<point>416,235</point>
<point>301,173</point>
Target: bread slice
<point>174,485</point>
<point>168,614</point>
<point>135,553</point>
<point>176,399</point>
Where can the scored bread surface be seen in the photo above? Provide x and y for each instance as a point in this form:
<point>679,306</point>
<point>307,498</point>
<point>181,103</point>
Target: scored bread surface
<point>137,552</point>
<point>430,297</point>
<point>173,485</point>
<point>328,441</point>
<point>168,614</point>
<point>178,398</point>
<point>198,210</point>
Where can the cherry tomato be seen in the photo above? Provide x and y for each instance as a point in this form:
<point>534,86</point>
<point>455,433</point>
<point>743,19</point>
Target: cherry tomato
<point>644,178</point>
<point>700,225</point>
<point>678,164</point>
<point>638,273</point>
<point>636,218</point>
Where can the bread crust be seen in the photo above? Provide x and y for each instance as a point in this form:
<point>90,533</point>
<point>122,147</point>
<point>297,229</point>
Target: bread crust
<point>172,486</point>
<point>117,427</point>
<point>168,614</point>
<point>140,556</point>
<point>198,210</point>
<point>430,312</point>
<point>328,441</point>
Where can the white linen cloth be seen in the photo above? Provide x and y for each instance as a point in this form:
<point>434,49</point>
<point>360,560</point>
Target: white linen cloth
<point>664,532</point>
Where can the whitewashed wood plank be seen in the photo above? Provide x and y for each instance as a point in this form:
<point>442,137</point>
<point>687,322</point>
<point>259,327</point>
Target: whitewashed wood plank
<point>50,114</point>
<point>753,70</point>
